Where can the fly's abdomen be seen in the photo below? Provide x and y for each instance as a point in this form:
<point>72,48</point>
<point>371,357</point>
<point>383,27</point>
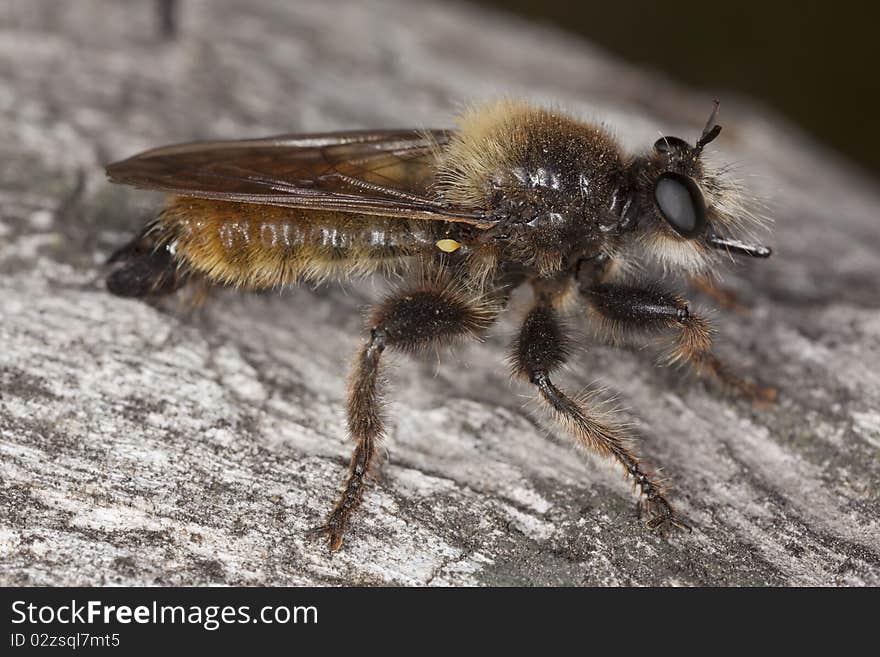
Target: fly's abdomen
<point>259,246</point>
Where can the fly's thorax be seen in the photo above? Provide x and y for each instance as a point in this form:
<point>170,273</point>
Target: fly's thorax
<point>548,181</point>
<point>557,210</point>
<point>543,227</point>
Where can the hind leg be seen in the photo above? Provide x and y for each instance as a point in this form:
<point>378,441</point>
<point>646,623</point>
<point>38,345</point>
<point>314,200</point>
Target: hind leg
<point>145,267</point>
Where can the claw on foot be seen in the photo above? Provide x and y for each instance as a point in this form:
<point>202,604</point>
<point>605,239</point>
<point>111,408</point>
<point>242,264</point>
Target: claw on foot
<point>661,516</point>
<point>332,532</point>
<point>764,396</point>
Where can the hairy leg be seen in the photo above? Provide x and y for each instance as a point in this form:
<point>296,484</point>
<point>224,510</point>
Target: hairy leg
<point>723,296</point>
<point>144,268</point>
<point>621,309</point>
<point>408,321</point>
<point>540,348</point>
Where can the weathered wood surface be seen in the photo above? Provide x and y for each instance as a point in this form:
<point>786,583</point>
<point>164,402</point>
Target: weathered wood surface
<point>147,447</point>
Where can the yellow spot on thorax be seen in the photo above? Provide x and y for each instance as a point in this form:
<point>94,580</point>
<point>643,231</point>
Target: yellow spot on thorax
<point>447,245</point>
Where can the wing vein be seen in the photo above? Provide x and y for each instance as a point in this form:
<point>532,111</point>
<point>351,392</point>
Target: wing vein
<point>384,173</point>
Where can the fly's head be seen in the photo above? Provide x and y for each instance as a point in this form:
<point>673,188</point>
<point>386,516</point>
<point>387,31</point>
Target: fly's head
<point>682,212</point>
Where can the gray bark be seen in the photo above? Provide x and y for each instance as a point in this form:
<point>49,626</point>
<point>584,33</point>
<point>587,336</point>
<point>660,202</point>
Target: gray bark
<point>147,446</point>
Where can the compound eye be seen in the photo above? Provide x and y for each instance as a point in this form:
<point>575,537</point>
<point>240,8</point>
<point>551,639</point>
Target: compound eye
<point>681,203</point>
<point>671,145</point>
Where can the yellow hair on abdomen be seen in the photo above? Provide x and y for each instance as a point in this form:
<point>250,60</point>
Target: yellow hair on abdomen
<point>262,246</point>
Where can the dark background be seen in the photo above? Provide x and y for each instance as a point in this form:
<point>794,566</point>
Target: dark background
<point>814,62</point>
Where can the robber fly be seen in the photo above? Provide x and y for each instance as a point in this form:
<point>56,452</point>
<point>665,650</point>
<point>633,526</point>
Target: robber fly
<point>516,195</point>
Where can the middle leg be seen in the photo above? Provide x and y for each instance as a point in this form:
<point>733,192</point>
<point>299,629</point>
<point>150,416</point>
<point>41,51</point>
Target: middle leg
<point>539,350</point>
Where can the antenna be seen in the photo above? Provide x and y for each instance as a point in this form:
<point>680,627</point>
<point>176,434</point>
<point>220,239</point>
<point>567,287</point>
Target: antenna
<point>711,130</point>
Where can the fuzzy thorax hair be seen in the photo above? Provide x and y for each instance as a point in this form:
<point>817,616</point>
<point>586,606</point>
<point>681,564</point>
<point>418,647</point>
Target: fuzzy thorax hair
<point>495,139</point>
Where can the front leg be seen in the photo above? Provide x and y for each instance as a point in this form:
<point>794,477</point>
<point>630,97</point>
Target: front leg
<point>539,350</point>
<point>723,296</point>
<point>621,309</point>
<point>413,319</point>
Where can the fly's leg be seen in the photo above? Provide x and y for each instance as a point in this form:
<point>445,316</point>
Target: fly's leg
<point>723,296</point>
<point>145,267</point>
<point>427,316</point>
<point>541,348</point>
<point>621,309</point>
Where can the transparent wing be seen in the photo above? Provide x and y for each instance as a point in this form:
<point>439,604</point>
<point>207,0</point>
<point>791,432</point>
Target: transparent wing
<point>386,173</point>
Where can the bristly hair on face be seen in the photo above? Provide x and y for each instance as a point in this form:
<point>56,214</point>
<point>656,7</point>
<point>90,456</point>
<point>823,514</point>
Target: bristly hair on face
<point>731,215</point>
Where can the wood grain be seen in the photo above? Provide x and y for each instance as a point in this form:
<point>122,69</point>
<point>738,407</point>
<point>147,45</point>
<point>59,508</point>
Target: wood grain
<point>152,446</point>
